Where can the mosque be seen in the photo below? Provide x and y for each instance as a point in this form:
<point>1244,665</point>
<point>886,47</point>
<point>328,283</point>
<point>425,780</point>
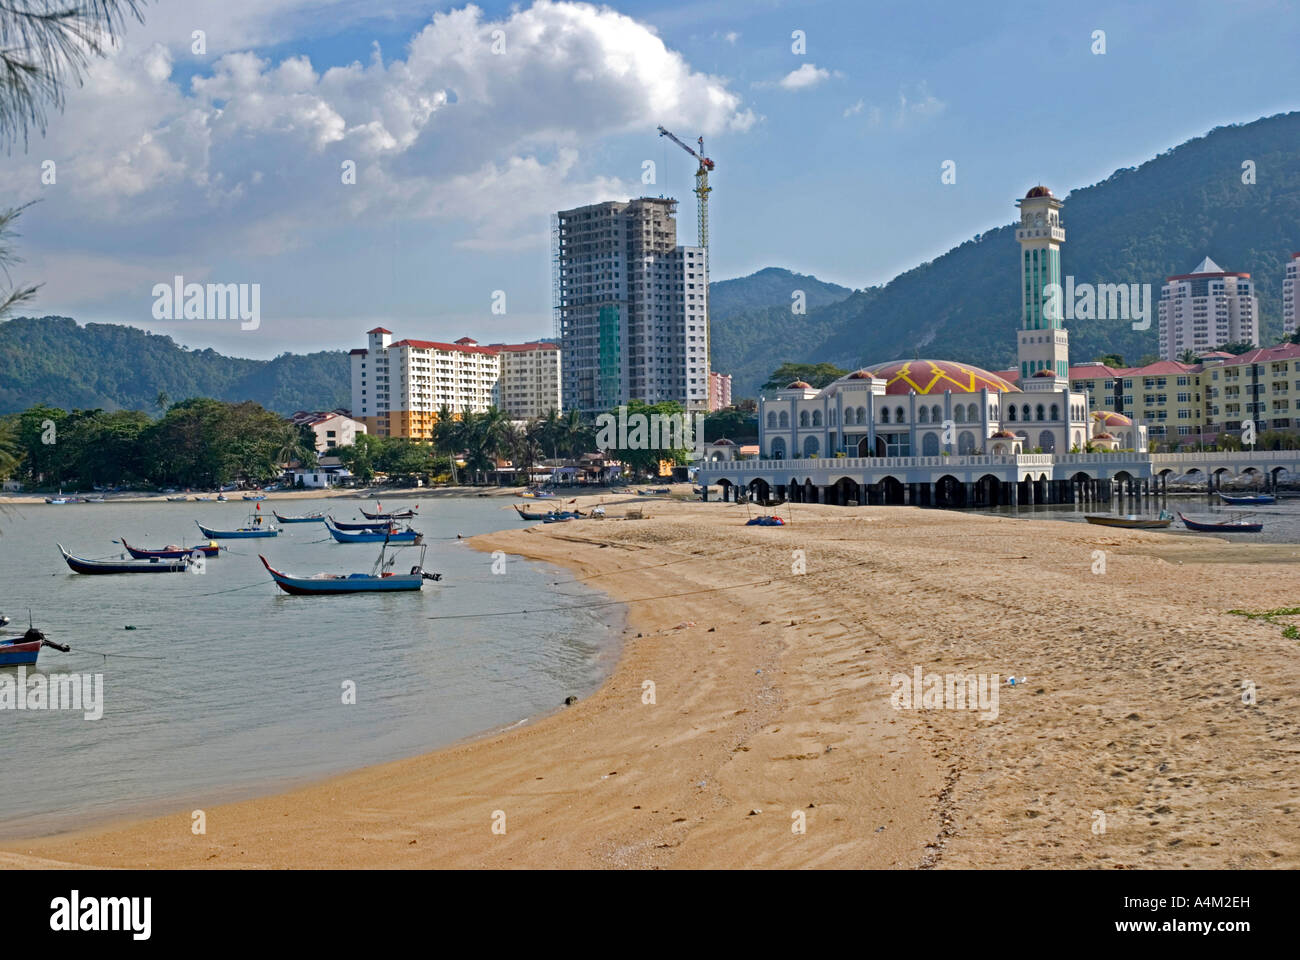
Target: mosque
<point>932,408</point>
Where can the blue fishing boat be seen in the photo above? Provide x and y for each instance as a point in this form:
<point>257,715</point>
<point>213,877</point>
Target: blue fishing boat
<point>155,565</point>
<point>1254,499</point>
<point>377,580</point>
<point>254,496</point>
<point>408,514</point>
<point>1242,524</point>
<point>242,533</point>
<point>305,518</point>
<point>391,535</point>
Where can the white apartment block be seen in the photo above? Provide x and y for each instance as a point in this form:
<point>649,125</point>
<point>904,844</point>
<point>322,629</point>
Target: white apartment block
<point>631,307</point>
<point>530,378</point>
<point>1205,309</point>
<point>1290,290</point>
<point>398,387</point>
<point>332,428</point>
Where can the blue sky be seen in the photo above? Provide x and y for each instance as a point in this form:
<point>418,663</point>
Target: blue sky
<point>224,166</point>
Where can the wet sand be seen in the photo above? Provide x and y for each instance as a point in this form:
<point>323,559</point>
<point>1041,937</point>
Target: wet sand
<point>1127,745</point>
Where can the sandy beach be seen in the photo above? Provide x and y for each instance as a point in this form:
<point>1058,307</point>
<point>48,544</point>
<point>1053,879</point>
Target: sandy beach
<point>754,697</point>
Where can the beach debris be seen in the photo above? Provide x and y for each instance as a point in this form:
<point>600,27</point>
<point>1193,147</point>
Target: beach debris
<point>1012,681</point>
<point>128,627</point>
<point>755,812</point>
<point>878,829</point>
<point>570,700</point>
<point>684,624</point>
<point>757,671</point>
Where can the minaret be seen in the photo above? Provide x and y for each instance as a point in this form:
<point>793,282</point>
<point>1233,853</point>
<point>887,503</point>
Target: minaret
<point>1044,344</point>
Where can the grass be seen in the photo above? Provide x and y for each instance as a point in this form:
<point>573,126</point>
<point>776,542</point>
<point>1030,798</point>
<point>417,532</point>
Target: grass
<point>1290,630</point>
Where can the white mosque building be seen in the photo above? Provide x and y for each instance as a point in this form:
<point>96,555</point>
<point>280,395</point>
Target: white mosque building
<point>931,408</point>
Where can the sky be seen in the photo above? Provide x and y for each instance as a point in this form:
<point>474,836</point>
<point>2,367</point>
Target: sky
<point>461,128</point>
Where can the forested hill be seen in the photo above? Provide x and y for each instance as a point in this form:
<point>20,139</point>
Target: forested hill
<point>1139,225</point>
<point>54,360</point>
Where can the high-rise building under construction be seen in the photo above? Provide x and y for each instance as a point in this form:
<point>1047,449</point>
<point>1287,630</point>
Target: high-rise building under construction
<point>630,307</point>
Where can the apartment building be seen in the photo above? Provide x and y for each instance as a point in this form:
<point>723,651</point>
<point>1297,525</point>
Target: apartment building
<point>1261,385</point>
<point>631,307</point>
<point>334,428</point>
<point>398,387</point>
<point>1290,290</point>
<point>1206,308</point>
<point>719,391</point>
<point>530,378</point>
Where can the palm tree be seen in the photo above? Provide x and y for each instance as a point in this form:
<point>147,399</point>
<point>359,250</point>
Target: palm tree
<point>10,452</point>
<point>575,434</point>
<point>448,437</point>
<point>43,46</point>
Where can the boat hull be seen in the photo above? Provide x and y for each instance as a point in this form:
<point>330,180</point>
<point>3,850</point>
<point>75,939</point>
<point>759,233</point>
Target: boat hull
<point>361,536</point>
<point>380,525</point>
<point>180,553</point>
<point>242,534</point>
<point>320,518</point>
<point>1255,500</point>
<point>80,565</point>
<point>1129,523</point>
<point>1202,527</point>
<point>19,652</point>
<point>333,585</point>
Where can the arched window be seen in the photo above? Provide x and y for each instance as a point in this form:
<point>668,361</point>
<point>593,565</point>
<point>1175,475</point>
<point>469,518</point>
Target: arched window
<point>884,414</point>
<point>1025,412</point>
<point>1011,411</point>
<point>1056,412</point>
<point>778,449</point>
<point>923,415</point>
<point>1039,411</point>
<point>959,414</point>
<point>1047,440</point>
<point>771,419</point>
<point>785,420</point>
<point>936,414</point>
<point>966,443</point>
<point>810,446</point>
<point>862,414</point>
<point>930,445</point>
<point>830,417</point>
<point>817,418</point>
<point>803,418</point>
<point>848,416</point>
<point>899,415</point>
<point>993,411</point>
<point>973,413</point>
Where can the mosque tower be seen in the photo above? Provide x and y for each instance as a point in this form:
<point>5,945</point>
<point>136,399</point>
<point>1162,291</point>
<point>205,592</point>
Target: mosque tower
<point>1044,344</point>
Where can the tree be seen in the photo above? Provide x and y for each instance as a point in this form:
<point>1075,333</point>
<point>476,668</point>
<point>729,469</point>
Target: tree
<point>10,452</point>
<point>732,424</point>
<point>817,374</point>
<point>1111,360</point>
<point>360,456</point>
<point>162,401</point>
<point>1236,347</point>
<point>46,45</point>
<point>641,454</point>
<point>448,434</point>
<point>1148,359</point>
<point>297,442</point>
<point>1187,356</point>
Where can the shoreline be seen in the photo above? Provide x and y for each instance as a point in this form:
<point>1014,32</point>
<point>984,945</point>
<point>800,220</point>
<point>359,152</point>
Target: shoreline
<point>772,699</point>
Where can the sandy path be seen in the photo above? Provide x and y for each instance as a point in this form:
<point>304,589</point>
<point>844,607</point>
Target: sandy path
<point>773,695</point>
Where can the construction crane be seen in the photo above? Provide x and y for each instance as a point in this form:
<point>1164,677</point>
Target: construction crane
<point>702,187</point>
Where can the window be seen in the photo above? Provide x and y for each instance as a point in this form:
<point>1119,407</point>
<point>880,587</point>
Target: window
<point>803,418</point>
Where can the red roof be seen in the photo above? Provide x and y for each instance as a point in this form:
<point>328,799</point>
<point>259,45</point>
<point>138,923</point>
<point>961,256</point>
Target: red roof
<point>937,376</point>
<point>1283,351</point>
<point>434,345</point>
<point>361,350</point>
<point>379,330</point>
<point>467,342</point>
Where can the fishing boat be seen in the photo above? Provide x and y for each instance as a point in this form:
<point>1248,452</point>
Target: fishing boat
<point>80,565</point>
<point>305,518</point>
<point>1237,525</point>
<point>1131,521</point>
<point>23,651</point>
<point>378,579</point>
<point>241,533</point>
<point>391,535</point>
<point>204,499</point>
<point>561,514</point>
<point>58,501</point>
<point>172,551</point>
<point>408,514</point>
<point>222,498</point>
<point>1253,499</point>
<point>181,499</point>
<point>371,525</point>
<point>254,496</point>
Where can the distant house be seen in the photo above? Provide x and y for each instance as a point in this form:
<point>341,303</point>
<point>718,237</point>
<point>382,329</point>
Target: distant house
<point>334,428</point>
<point>330,473</point>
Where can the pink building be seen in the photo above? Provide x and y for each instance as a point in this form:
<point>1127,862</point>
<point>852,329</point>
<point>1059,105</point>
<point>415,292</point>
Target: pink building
<point>719,391</point>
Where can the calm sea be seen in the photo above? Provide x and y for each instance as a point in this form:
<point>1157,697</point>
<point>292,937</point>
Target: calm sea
<point>227,687</point>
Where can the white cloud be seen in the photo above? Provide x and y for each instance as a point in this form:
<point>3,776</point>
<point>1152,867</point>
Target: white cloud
<point>855,109</point>
<point>808,75</point>
<point>250,154</point>
<point>921,104</point>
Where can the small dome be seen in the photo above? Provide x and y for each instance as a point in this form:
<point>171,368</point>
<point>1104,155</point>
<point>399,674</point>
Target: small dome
<point>1038,191</point>
<point>860,375</point>
<point>1110,418</point>
<point>937,376</point>
<point>799,385</point>
<point>1044,373</point>
<point>1005,435</point>
<point>1104,436</point>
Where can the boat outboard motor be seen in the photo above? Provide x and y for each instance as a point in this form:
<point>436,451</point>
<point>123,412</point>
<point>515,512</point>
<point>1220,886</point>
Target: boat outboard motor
<point>417,570</point>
